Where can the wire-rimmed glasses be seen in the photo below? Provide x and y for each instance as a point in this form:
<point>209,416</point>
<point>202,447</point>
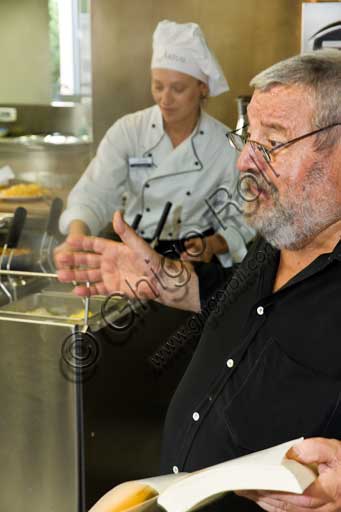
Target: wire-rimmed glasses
<point>238,141</point>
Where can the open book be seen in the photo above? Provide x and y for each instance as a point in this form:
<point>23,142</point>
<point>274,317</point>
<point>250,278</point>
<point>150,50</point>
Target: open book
<point>267,469</point>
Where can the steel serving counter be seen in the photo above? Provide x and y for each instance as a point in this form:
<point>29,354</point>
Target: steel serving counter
<point>42,367</point>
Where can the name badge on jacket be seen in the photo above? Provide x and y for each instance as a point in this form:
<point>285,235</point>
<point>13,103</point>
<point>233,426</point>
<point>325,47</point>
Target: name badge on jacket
<point>140,162</point>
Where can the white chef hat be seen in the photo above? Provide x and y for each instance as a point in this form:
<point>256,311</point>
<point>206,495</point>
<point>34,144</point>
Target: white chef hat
<point>182,47</point>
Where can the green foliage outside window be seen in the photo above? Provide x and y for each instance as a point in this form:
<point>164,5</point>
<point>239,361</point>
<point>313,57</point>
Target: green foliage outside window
<point>54,46</point>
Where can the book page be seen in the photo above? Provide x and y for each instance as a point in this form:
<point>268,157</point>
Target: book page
<point>137,495</point>
<point>150,505</point>
<point>123,497</point>
<point>267,469</point>
<point>273,455</point>
<point>161,483</point>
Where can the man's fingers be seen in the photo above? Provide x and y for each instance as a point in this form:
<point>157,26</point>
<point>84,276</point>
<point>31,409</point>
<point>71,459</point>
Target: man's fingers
<point>82,275</point>
<point>184,256</point>
<point>316,450</point>
<point>129,236</point>
<point>192,242</point>
<point>254,496</point>
<point>76,259</point>
<point>265,506</point>
<point>301,501</point>
<point>273,505</point>
<point>307,501</point>
<point>89,243</point>
<point>95,289</point>
<point>251,495</point>
<point>281,501</point>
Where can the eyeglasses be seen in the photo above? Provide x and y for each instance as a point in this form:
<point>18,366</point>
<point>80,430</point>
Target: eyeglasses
<point>239,141</point>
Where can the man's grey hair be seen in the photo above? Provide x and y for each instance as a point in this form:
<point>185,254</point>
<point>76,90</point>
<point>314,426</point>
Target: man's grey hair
<point>319,71</point>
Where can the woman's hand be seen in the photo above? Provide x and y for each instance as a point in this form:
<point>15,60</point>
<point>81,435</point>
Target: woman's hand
<point>76,228</point>
<point>131,268</point>
<point>323,495</point>
<point>203,249</point>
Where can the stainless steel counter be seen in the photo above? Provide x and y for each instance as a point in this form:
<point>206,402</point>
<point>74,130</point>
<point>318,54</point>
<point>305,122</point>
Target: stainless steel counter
<point>38,422</point>
<point>42,368</point>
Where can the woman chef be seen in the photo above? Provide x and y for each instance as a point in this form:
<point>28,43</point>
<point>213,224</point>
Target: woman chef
<point>172,151</point>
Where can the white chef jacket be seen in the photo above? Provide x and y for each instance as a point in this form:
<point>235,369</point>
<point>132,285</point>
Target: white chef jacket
<point>189,176</point>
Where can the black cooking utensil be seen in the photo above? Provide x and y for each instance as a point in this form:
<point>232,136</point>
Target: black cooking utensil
<point>16,227</point>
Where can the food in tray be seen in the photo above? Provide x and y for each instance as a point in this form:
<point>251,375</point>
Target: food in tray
<point>23,190</point>
<point>41,311</point>
<point>79,315</point>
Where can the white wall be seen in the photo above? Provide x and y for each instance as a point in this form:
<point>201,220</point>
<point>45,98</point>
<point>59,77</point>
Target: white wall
<point>24,50</point>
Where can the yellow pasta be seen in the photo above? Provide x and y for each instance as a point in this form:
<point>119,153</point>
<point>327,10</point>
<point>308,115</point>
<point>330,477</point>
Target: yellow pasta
<point>23,190</point>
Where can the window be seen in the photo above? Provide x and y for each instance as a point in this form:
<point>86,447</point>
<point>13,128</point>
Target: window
<point>70,48</point>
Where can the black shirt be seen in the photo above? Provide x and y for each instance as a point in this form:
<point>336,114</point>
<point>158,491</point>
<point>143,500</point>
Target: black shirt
<point>267,368</point>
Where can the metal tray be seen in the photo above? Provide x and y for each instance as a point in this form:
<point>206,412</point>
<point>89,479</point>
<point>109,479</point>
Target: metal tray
<point>57,308</point>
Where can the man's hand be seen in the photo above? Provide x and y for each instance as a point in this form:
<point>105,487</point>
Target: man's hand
<point>323,495</point>
<point>131,268</point>
<point>203,249</point>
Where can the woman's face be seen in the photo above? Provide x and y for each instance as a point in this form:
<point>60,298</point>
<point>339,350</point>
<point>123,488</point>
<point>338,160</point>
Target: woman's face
<point>177,94</point>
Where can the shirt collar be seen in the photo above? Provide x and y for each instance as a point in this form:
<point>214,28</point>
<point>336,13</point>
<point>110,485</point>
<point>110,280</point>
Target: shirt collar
<point>156,132</point>
<point>336,253</point>
<point>318,264</point>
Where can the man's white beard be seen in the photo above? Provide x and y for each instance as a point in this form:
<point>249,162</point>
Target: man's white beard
<point>291,223</point>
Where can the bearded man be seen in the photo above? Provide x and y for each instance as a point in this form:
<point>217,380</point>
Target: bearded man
<point>267,368</point>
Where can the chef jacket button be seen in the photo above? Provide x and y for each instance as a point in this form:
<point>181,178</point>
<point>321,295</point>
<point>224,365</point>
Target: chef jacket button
<point>196,416</point>
<point>260,310</point>
<point>170,234</point>
<point>196,163</point>
<point>201,132</point>
<point>147,185</point>
<point>150,154</point>
<point>188,193</point>
<point>230,363</point>
<point>142,232</point>
<point>175,469</point>
<point>153,125</point>
<point>147,209</point>
<point>179,221</point>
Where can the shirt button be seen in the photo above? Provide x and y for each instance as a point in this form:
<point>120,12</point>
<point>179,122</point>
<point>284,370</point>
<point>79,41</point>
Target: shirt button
<point>230,363</point>
<point>260,310</point>
<point>175,469</point>
<point>153,125</point>
<point>142,232</point>
<point>147,185</point>
<point>147,209</point>
<point>201,132</point>
<point>179,221</point>
<point>196,416</point>
<point>196,163</point>
<point>150,155</point>
<point>188,193</point>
